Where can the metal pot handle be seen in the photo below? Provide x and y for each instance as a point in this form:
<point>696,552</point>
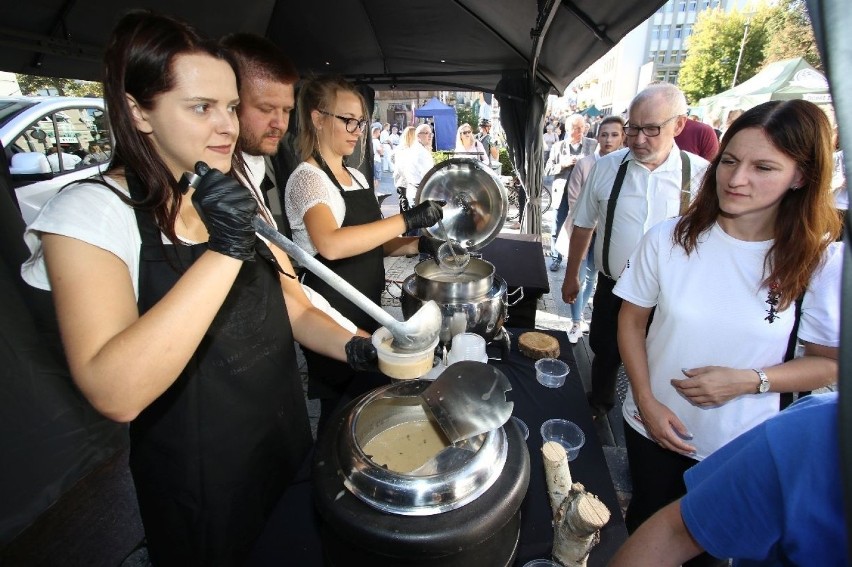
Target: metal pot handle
<point>514,302</point>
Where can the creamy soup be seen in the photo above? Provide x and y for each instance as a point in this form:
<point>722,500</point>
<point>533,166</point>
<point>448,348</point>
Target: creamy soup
<point>406,446</point>
<point>398,364</point>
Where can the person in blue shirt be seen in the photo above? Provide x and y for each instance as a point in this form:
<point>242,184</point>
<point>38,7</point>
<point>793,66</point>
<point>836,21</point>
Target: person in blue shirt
<point>772,496</point>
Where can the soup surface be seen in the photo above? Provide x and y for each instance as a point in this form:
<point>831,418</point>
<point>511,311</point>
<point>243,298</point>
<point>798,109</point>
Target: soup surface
<point>406,446</point>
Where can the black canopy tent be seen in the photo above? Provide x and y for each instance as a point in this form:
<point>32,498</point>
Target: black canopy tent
<point>519,50</point>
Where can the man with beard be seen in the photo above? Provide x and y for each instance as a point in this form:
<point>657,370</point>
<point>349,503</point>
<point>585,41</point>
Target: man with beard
<point>628,192</point>
<point>267,97</point>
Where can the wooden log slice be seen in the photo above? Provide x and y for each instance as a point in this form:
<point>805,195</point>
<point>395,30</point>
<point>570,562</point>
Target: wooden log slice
<point>538,345</point>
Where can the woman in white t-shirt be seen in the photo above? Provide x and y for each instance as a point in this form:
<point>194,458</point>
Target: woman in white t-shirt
<point>174,316</point>
<point>335,216</point>
<point>725,280</point>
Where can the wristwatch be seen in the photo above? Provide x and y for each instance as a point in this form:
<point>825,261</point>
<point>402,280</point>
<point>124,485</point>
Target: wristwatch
<point>763,387</point>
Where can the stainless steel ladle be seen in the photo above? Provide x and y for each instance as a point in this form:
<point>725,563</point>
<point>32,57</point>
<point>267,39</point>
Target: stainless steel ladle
<point>414,334</point>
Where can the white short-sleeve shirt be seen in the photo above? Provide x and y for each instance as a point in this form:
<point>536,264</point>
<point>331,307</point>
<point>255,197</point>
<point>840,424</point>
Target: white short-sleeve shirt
<point>711,309</point>
<point>647,197</point>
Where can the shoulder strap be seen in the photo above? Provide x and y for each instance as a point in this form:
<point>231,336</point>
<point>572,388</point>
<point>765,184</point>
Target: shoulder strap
<point>788,398</point>
<point>610,213</point>
<point>685,178</point>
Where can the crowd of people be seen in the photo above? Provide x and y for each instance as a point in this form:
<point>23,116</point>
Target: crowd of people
<point>706,267</point>
<point>736,263</point>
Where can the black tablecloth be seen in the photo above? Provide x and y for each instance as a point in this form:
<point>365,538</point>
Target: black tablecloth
<point>291,536</point>
<point>519,259</point>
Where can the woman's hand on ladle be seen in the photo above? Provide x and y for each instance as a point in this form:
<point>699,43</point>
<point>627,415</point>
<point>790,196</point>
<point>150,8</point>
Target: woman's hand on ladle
<point>423,215</point>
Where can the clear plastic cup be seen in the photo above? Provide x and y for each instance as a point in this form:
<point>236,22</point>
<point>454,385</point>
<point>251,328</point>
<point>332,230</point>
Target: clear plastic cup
<point>566,433</point>
<point>525,431</point>
<point>467,346</point>
<point>398,364</point>
<point>551,372</point>
<point>541,563</point>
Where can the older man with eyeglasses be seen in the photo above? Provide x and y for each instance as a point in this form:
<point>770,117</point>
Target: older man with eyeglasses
<point>627,192</point>
<point>419,161</point>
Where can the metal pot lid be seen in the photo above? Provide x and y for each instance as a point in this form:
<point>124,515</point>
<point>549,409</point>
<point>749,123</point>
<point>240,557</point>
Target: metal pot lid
<point>477,202</point>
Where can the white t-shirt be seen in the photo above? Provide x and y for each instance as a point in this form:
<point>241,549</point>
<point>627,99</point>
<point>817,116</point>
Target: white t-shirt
<point>93,214</point>
<point>89,212</point>
<point>712,310</point>
<point>646,198</point>
<point>400,162</point>
<point>309,186</point>
<point>417,164</point>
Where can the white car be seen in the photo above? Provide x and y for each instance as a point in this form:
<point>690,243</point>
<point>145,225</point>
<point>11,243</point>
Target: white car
<point>50,141</point>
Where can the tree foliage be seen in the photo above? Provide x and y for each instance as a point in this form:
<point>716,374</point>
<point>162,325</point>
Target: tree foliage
<point>33,84</point>
<point>713,49</point>
<point>791,34</point>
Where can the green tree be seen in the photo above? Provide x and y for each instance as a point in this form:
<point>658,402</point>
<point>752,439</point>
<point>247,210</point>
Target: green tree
<point>713,49</point>
<point>466,114</point>
<point>791,34</point>
<point>32,84</point>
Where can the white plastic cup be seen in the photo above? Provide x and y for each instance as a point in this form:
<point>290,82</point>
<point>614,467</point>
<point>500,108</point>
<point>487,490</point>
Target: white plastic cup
<point>566,433</point>
<point>467,346</point>
<point>551,372</point>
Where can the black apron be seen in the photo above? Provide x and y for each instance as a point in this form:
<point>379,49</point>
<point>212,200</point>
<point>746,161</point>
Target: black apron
<point>212,455</point>
<point>327,378</point>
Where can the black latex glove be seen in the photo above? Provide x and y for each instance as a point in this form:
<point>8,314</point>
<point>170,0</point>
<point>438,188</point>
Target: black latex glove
<point>428,245</point>
<point>361,355</point>
<point>227,209</point>
<point>423,215</point>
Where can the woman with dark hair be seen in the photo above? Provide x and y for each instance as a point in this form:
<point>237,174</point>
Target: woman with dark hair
<point>174,316</point>
<point>335,216</point>
<point>750,267</point>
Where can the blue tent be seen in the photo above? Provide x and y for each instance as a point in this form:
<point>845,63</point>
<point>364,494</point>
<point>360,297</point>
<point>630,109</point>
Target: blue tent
<point>446,122</point>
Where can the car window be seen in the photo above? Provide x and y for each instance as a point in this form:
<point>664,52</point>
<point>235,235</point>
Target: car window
<point>71,139</point>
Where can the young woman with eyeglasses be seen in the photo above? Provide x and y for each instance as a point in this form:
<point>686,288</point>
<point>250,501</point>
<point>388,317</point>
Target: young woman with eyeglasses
<point>467,146</point>
<point>335,216</point>
<point>753,257</point>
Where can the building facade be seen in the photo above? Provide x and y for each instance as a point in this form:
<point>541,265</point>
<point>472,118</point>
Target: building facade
<point>653,51</point>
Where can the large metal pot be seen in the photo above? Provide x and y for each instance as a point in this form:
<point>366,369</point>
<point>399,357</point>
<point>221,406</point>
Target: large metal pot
<point>474,301</point>
<point>466,516</point>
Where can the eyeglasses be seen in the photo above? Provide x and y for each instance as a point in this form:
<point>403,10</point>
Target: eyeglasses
<point>352,124</point>
<point>649,131</point>
<point>466,132</point>
<point>424,133</point>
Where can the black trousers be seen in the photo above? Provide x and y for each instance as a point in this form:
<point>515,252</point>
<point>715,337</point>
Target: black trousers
<point>603,339</point>
<point>657,477</point>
